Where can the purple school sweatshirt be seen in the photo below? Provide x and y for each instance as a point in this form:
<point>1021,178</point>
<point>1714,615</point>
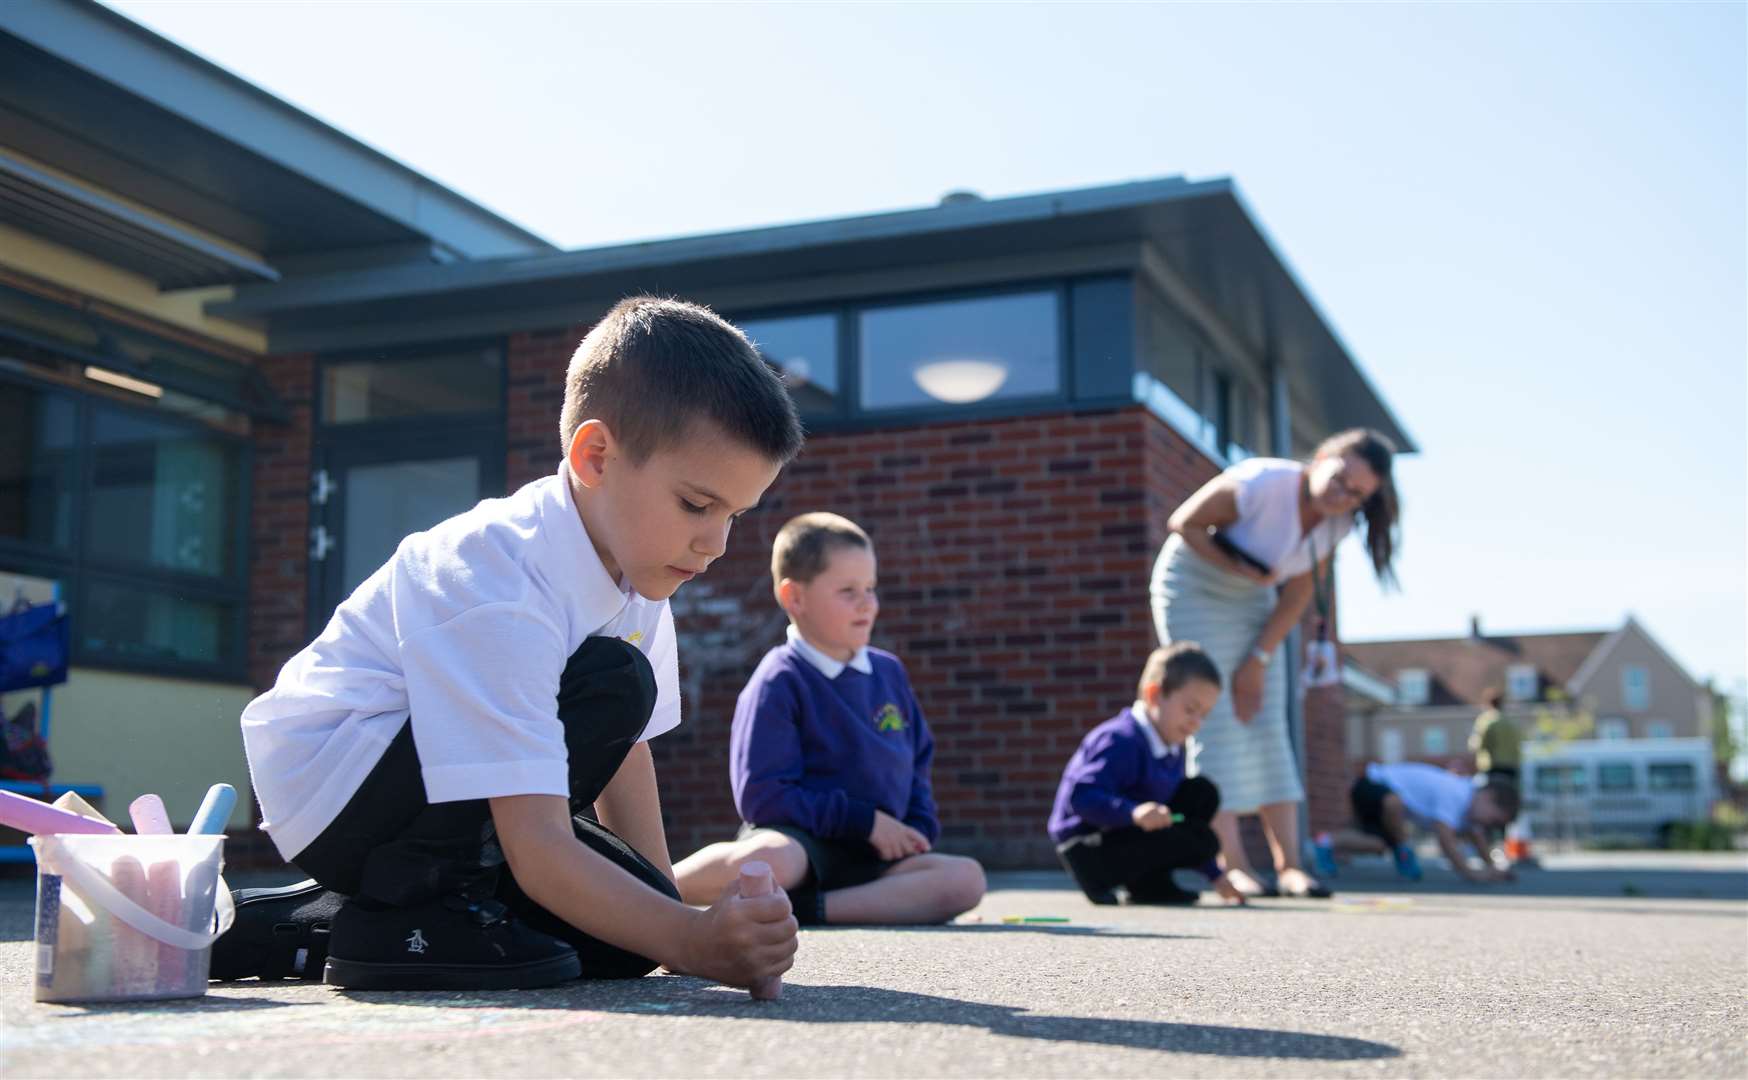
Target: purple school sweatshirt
<point>823,754</point>
<point>1111,773</point>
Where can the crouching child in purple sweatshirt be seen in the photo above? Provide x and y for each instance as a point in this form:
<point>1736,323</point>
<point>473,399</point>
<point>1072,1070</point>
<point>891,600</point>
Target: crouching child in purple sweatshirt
<point>829,756</point>
<point>1125,815</point>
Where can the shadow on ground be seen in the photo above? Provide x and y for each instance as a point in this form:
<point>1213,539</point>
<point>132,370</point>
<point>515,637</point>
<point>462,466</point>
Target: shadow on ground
<point>682,996</point>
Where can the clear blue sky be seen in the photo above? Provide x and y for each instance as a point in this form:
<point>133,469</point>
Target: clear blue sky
<point>1527,222</point>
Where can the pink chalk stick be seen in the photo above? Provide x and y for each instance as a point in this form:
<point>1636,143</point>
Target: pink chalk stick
<point>756,879</point>
<point>164,887</point>
<point>28,815</point>
<point>136,955</point>
<point>150,817</point>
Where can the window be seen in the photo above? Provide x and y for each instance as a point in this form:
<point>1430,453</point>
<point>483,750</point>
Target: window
<point>1615,777</point>
<point>1635,688</point>
<point>137,512</point>
<point>1659,729</point>
<point>1560,779</point>
<point>959,352</point>
<point>1390,745</point>
<point>38,454</point>
<point>1671,776</point>
<point>426,384</point>
<point>1522,683</point>
<point>804,351</point>
<point>1433,741</point>
<point>1611,727</point>
<point>1413,687</point>
<point>173,485</point>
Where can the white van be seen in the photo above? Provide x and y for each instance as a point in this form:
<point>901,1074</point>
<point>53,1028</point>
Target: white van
<point>1621,788</point>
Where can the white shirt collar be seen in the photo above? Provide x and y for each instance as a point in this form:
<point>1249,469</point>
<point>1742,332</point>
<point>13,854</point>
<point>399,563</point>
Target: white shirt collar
<point>1154,738</point>
<point>827,666</point>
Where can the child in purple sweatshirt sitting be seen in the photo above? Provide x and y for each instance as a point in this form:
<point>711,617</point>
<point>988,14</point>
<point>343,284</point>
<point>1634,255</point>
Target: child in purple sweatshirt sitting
<point>1125,816</point>
<point>829,756</point>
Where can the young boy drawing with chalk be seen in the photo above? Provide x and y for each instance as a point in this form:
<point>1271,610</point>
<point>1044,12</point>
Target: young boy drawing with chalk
<point>433,754</point>
<point>1388,797</point>
<point>1125,816</point>
<point>830,755</point>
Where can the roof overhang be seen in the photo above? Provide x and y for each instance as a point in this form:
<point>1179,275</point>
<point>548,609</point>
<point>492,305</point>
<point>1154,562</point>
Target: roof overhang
<point>67,213</point>
<point>1197,237</point>
<point>96,96</point>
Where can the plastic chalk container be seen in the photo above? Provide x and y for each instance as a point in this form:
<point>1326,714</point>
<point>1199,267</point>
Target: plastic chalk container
<point>127,918</point>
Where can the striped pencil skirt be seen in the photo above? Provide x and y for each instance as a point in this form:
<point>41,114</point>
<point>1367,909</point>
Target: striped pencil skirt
<point>1252,764</point>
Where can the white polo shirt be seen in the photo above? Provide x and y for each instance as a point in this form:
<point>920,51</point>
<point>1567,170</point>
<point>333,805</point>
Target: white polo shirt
<point>1268,518</point>
<point>466,629</point>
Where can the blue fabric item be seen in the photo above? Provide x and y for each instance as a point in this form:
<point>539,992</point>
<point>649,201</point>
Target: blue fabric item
<point>34,645</point>
<point>823,754</point>
<point>1111,773</point>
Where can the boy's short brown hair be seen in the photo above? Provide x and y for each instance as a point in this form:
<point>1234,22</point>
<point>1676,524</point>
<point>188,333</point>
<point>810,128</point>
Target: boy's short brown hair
<point>804,545</point>
<point>1171,666</point>
<point>652,367</point>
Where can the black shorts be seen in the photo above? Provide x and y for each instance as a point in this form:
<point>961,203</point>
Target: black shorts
<point>1367,796</point>
<point>831,864</point>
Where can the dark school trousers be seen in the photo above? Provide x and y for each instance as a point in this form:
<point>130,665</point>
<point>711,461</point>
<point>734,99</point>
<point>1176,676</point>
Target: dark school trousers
<point>1142,861</point>
<point>389,847</point>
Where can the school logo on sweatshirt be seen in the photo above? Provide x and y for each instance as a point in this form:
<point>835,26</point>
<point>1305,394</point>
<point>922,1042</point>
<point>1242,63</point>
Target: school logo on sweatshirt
<point>890,719</point>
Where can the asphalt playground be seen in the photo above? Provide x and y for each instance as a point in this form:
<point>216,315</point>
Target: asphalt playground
<point>1596,965</point>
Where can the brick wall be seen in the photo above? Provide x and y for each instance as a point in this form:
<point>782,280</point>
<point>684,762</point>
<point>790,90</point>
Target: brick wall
<point>1013,561</point>
<point>279,523</point>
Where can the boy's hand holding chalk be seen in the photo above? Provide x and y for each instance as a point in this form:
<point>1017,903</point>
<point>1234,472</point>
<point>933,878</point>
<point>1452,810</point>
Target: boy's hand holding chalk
<point>742,939</point>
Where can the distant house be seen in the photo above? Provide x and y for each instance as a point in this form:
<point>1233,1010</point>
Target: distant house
<point>1417,700</point>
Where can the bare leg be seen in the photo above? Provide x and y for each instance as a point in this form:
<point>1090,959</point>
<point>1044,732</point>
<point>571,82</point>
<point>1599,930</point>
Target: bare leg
<point>1280,824</point>
<point>703,875</point>
<point>1232,853</point>
<point>928,888</point>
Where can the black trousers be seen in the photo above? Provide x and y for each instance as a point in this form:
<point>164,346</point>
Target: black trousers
<point>1142,861</point>
<point>390,847</point>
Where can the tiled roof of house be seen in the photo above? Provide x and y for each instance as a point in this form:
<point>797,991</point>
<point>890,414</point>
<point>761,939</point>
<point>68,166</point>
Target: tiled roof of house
<point>1462,669</point>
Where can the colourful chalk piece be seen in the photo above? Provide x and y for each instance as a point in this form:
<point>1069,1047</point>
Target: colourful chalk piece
<point>149,816</point>
<point>164,887</point>
<point>1177,818</point>
<point>756,879</point>
<point>215,810</point>
<point>1046,919</point>
<point>1012,920</point>
<point>136,955</point>
<point>28,815</point>
<point>73,804</point>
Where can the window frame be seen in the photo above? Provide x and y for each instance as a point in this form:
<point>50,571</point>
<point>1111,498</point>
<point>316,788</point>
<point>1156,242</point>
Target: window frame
<point>1517,673</point>
<point>1631,699</point>
<point>77,570</point>
<point>1417,676</point>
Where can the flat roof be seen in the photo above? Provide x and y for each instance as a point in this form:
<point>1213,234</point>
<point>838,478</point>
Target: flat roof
<point>1198,233</point>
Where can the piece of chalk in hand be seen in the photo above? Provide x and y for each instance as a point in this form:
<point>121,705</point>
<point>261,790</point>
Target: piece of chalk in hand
<point>756,879</point>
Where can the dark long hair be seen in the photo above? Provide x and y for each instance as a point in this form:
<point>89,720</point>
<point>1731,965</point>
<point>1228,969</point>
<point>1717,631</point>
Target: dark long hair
<point>1383,511</point>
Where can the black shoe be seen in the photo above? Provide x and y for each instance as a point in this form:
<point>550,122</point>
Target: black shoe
<point>280,933</point>
<point>452,943</point>
<point>1103,897</point>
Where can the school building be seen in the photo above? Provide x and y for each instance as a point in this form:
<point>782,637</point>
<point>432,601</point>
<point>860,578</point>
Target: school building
<point>241,355</point>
